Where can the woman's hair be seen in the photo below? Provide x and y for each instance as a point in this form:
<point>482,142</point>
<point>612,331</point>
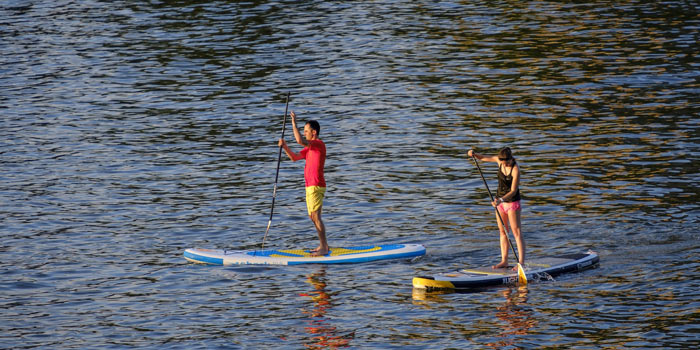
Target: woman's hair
<point>505,153</point>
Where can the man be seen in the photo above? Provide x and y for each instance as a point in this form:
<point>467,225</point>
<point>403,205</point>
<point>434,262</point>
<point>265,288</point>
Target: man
<point>314,153</point>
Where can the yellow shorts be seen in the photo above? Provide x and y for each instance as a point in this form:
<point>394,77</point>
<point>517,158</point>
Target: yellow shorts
<point>314,198</point>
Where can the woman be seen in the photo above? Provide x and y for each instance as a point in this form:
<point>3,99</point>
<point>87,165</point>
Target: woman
<point>507,201</point>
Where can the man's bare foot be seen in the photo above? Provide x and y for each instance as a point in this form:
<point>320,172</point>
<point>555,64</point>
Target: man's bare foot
<point>500,265</point>
<point>315,250</point>
<point>319,252</point>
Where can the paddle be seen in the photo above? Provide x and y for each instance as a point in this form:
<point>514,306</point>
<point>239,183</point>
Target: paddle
<point>279,160</point>
<point>522,278</point>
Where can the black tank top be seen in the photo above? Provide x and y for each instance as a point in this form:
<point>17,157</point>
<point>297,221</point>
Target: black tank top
<point>505,183</point>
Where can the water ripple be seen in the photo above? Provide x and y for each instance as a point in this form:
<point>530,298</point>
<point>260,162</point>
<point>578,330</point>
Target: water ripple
<point>133,130</point>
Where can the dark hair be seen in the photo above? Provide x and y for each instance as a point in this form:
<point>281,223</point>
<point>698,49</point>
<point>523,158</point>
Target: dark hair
<point>314,125</point>
<point>505,153</point>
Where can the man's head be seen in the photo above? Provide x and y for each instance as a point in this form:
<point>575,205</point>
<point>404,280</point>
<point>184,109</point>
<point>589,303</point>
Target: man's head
<point>311,130</point>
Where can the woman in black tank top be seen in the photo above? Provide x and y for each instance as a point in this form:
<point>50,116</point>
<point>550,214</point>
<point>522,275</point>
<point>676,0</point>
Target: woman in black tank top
<point>505,183</point>
<point>507,201</point>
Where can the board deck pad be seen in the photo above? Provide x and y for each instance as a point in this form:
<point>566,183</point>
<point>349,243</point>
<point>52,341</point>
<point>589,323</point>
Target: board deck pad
<point>486,276</point>
<point>336,255</point>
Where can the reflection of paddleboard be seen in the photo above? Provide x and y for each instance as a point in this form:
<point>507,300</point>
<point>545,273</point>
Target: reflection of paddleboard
<point>337,255</point>
<point>487,276</point>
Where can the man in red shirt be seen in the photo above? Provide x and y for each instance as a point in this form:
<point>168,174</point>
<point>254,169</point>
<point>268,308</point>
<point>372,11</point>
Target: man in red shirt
<point>314,153</point>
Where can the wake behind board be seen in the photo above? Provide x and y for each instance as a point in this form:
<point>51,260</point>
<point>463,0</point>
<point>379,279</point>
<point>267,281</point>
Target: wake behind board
<point>336,255</point>
<point>487,276</point>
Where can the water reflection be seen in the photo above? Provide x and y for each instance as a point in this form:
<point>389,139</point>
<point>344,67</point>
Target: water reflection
<point>421,296</point>
<point>322,335</point>
<point>516,317</point>
<point>502,327</point>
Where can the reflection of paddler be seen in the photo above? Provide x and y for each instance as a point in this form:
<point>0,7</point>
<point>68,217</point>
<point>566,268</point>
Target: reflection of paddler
<point>517,316</point>
<point>319,296</point>
<point>324,336</point>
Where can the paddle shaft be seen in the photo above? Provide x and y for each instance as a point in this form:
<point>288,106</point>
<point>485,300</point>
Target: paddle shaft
<point>497,212</point>
<point>277,174</point>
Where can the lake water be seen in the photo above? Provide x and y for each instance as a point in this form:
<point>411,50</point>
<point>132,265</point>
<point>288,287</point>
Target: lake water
<point>132,130</point>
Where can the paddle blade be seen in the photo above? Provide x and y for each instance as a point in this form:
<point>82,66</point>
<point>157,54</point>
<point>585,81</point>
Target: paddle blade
<point>522,277</point>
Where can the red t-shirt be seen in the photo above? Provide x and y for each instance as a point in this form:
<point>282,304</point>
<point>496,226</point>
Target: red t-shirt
<point>315,155</point>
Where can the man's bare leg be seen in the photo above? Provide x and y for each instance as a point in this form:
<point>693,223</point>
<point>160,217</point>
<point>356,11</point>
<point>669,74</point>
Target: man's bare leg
<point>321,230</point>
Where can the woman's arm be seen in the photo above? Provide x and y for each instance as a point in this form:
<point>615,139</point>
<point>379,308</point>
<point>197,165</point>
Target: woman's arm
<point>482,157</point>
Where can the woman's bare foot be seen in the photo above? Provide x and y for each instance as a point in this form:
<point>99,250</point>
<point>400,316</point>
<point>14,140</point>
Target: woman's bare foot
<point>501,265</point>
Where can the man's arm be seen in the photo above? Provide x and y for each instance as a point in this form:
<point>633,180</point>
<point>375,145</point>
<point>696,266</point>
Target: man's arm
<point>293,156</point>
<point>297,134</point>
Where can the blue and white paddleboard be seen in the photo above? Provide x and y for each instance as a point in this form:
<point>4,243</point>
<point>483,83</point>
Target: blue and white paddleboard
<point>487,276</point>
<point>336,255</point>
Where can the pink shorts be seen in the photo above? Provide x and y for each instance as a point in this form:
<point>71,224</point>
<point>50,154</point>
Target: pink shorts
<point>505,207</point>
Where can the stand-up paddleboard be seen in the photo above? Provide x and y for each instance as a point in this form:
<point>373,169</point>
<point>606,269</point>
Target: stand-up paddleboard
<point>336,255</point>
<point>488,276</point>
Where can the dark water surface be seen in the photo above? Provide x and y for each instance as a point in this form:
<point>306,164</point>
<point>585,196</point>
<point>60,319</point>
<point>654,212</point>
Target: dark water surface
<point>131,130</point>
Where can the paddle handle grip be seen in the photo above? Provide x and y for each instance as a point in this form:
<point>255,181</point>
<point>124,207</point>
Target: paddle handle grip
<point>279,155</point>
